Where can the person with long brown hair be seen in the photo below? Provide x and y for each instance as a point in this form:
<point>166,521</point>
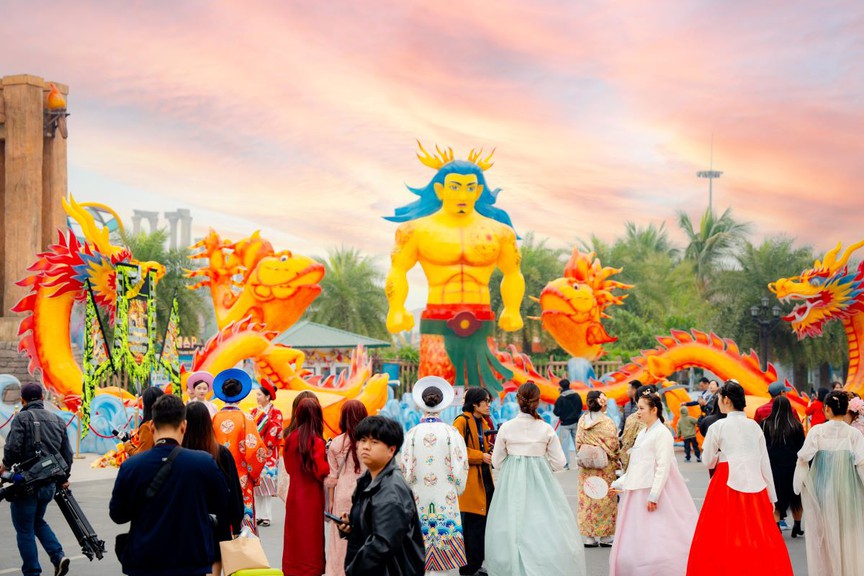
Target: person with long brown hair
<point>200,436</point>
<point>531,528</point>
<point>306,464</point>
<point>345,469</point>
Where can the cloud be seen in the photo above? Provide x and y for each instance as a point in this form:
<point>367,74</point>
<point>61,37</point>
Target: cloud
<point>300,118</point>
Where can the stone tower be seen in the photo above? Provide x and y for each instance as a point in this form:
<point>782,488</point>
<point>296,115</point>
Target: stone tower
<point>33,181</point>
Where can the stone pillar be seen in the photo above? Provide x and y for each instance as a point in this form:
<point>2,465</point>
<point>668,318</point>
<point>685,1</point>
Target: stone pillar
<point>151,217</point>
<point>54,180</point>
<point>136,223</point>
<point>22,193</point>
<point>185,227</point>
<point>172,218</point>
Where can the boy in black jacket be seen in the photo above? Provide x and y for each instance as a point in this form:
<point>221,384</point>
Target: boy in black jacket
<point>383,529</point>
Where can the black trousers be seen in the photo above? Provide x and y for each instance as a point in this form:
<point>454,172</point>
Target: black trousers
<point>474,528</point>
<point>688,442</point>
<point>474,533</point>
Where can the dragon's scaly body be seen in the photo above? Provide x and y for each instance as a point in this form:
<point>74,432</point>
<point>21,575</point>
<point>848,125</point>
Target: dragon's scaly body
<point>58,279</point>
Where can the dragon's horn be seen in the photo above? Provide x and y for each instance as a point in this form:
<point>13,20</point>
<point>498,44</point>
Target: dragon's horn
<point>94,235</point>
<point>534,298</point>
<point>831,261</point>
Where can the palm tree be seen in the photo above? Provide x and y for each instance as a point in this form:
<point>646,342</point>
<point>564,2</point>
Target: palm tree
<point>716,239</point>
<point>649,240</point>
<point>193,307</point>
<point>352,294</point>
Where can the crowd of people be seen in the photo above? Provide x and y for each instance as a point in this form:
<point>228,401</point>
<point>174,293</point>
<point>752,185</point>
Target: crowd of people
<point>466,498</point>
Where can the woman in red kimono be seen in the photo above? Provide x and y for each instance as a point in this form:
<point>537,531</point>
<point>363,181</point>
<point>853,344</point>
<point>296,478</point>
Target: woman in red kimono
<point>268,418</point>
<point>236,431</point>
<point>306,464</point>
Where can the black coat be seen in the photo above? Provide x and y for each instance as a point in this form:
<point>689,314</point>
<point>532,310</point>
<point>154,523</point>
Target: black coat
<point>171,534</point>
<point>20,444</point>
<point>385,538</point>
<point>568,407</point>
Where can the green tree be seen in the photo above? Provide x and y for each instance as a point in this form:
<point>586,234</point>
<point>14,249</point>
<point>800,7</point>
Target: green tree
<point>716,240</point>
<point>736,291</point>
<point>193,306</point>
<point>352,294</point>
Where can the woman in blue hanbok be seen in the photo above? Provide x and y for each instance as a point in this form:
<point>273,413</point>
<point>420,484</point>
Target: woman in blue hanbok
<point>531,530</point>
<point>830,479</point>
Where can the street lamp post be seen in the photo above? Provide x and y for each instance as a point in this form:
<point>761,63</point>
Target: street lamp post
<point>767,321</point>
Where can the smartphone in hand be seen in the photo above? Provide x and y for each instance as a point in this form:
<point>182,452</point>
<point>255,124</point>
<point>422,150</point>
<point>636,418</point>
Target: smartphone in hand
<point>335,518</point>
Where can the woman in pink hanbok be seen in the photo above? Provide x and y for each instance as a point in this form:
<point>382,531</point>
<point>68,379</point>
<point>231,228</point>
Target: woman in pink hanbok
<point>655,500</point>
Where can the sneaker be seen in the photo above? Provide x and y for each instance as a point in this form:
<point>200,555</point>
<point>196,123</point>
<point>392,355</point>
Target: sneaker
<point>698,459</point>
<point>62,567</point>
<point>591,542</point>
<point>783,525</point>
<point>606,542</point>
<point>686,459</point>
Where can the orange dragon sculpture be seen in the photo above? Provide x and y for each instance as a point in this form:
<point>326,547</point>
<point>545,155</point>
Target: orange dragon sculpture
<point>58,279</point>
<point>829,291</point>
<point>257,294</point>
<point>572,309</point>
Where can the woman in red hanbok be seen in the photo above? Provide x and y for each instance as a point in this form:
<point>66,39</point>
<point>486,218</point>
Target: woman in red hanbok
<point>736,532</point>
<point>236,431</point>
<point>306,464</point>
<point>268,418</point>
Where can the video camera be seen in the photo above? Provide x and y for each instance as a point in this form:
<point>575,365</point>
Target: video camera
<point>38,471</point>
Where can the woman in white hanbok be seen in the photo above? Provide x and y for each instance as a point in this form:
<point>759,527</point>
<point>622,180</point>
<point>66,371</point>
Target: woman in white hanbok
<point>531,530</point>
<point>435,466</point>
<point>830,479</point>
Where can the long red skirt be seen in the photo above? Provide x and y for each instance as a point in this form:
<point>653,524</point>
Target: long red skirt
<point>736,533</point>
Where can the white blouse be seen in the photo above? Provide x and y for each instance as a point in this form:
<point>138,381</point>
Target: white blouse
<point>832,436</point>
<point>526,436</point>
<point>651,460</point>
<point>739,441</point>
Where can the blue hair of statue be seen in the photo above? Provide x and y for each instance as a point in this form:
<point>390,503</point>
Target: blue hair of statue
<point>429,202</point>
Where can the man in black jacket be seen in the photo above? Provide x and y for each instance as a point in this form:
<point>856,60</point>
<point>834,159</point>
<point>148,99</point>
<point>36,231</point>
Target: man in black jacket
<point>383,529</point>
<point>568,409</point>
<point>171,533</point>
<point>28,508</point>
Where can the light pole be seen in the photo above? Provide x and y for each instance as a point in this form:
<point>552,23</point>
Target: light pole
<point>710,175</point>
<point>766,321</point>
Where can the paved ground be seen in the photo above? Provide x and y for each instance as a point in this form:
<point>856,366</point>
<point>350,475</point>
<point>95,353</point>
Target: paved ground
<point>92,488</point>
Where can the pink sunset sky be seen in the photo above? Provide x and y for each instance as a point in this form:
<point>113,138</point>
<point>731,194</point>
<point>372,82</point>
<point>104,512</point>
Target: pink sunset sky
<point>300,118</point>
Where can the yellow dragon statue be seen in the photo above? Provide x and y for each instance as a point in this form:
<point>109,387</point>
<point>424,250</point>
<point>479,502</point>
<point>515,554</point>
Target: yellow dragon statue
<point>572,309</point>
<point>829,291</point>
<point>58,279</point>
<point>257,294</point>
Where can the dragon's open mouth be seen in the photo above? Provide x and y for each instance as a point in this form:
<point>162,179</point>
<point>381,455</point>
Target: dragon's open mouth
<point>802,311</point>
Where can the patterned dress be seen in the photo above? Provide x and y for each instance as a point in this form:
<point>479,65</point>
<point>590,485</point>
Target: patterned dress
<point>597,517</point>
<point>435,465</point>
<point>269,423</point>
<point>237,432</point>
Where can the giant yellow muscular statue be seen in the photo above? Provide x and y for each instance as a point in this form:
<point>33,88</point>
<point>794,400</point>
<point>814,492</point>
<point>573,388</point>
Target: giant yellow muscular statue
<point>458,237</point>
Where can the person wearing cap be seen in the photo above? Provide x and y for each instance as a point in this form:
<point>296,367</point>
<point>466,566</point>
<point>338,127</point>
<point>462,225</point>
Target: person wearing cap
<point>28,507</point>
<point>200,388</point>
<point>268,419</point>
<point>776,389</point>
<point>435,465</point>
<point>236,431</point>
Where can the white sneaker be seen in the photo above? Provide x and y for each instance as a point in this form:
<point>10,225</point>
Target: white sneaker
<point>606,541</point>
<point>590,542</point>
